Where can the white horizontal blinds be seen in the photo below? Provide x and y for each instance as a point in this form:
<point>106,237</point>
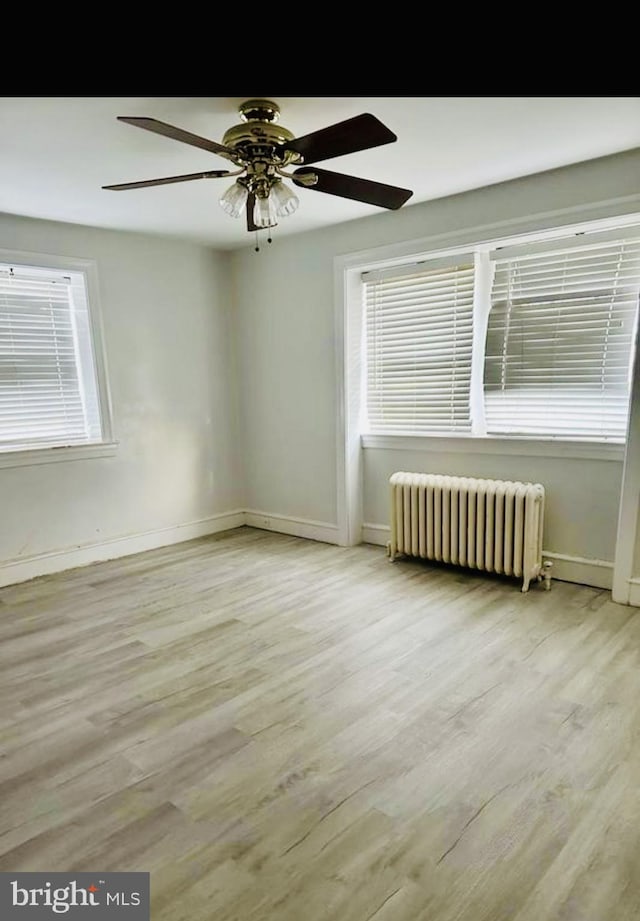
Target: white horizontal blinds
<point>419,331</point>
<point>560,339</point>
<point>42,394</point>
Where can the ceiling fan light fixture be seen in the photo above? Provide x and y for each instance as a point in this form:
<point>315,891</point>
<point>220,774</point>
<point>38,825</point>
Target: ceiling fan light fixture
<point>234,200</point>
<point>286,202</point>
<point>264,212</point>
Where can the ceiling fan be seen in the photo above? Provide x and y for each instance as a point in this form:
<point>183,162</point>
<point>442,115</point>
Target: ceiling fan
<point>261,150</point>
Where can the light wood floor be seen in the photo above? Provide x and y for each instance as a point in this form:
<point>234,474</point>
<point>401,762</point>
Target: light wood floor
<point>281,729</point>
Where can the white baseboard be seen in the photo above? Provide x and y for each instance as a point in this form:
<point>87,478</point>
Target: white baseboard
<point>597,573</point>
<point>296,527</point>
<point>584,571</point>
<point>634,593</point>
<point>20,570</point>
<point>376,534</point>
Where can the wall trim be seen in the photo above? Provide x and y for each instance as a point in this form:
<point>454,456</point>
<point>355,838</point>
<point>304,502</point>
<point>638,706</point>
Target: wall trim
<point>21,570</point>
<point>349,330</point>
<point>496,445</point>
<point>628,520</point>
<point>35,456</point>
<point>44,564</point>
<point>623,211</point>
<point>597,573</point>
<point>377,534</point>
<point>634,592</point>
<point>321,531</point>
<point>584,571</point>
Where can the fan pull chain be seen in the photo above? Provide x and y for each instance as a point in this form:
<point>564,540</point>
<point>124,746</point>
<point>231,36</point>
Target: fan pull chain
<point>257,246</point>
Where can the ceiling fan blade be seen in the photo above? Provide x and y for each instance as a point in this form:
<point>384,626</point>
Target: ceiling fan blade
<point>178,134</point>
<point>210,174</point>
<point>358,133</point>
<point>372,193</point>
<point>251,201</point>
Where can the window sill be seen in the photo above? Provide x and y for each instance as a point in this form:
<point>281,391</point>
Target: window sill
<point>467,444</point>
<point>36,456</point>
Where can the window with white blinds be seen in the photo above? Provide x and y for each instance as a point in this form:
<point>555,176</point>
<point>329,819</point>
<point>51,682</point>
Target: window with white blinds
<point>419,332</point>
<point>48,384</point>
<point>531,339</point>
<point>560,339</point>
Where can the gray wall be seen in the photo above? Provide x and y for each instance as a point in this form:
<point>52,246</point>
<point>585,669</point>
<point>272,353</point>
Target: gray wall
<point>287,369</point>
<point>167,325</point>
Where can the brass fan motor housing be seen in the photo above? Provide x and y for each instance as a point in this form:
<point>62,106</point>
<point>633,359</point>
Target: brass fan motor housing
<point>259,135</point>
<point>263,110</point>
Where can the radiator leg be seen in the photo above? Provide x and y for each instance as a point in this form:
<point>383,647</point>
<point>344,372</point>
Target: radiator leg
<point>546,575</point>
<point>525,585</point>
<point>390,552</point>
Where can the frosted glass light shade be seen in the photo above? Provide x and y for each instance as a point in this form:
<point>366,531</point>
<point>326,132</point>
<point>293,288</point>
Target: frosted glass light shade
<point>264,212</point>
<point>234,200</point>
<point>286,201</point>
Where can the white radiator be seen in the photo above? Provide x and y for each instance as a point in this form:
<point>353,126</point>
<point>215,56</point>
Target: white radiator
<point>493,525</point>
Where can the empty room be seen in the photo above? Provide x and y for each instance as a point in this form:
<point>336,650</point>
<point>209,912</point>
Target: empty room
<point>320,508</point>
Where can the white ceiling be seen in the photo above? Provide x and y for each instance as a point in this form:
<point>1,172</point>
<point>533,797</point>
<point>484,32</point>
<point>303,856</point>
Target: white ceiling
<point>57,152</point>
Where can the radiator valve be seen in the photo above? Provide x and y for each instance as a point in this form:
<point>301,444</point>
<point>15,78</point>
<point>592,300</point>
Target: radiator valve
<point>546,574</point>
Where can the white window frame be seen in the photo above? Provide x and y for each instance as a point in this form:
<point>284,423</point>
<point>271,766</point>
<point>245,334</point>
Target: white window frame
<point>349,343</point>
<point>107,445</point>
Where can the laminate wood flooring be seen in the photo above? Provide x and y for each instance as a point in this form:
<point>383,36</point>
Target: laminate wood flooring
<point>283,730</point>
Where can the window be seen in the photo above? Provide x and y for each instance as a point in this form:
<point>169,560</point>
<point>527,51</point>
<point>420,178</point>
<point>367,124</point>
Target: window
<point>534,339</point>
<point>49,385</point>
<point>419,337</point>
